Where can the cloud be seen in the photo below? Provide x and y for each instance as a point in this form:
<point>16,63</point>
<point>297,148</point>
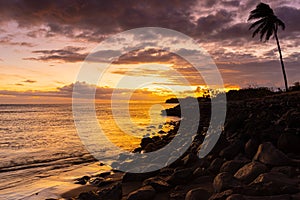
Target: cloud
<point>67,54</point>
<point>9,41</point>
<point>29,81</point>
<point>84,90</point>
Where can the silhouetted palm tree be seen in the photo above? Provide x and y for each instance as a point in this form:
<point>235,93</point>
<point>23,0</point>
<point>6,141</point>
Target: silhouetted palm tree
<point>267,25</point>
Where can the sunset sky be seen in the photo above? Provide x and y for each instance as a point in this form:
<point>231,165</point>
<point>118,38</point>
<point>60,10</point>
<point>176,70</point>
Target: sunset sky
<point>44,43</point>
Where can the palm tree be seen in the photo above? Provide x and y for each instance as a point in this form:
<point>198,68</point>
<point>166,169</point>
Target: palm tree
<point>266,25</point>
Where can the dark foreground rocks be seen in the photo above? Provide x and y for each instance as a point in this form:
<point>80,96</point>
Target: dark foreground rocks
<point>252,160</point>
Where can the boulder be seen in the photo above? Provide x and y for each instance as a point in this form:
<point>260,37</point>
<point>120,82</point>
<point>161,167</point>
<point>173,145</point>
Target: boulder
<point>224,181</point>
<point>144,193</point>
<point>231,151</point>
<point>235,197</point>
<point>289,142</point>
<point>215,165</point>
<point>287,170</point>
<point>128,177</point>
<point>251,147</point>
<point>242,197</point>
<point>272,183</point>
<point>145,141</point>
<point>231,166</point>
<point>197,194</point>
<point>250,171</point>
<point>270,155</point>
<point>180,176</point>
<point>113,192</point>
<point>222,195</point>
<point>157,183</point>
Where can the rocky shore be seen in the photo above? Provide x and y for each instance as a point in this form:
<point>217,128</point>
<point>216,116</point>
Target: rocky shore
<point>257,157</point>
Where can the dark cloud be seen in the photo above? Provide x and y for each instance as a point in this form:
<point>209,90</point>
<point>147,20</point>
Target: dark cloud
<point>288,16</point>
<point>9,41</point>
<point>67,54</point>
<point>101,17</point>
<point>29,81</point>
<point>214,22</point>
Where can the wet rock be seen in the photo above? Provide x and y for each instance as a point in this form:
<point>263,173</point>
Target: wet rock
<point>231,166</point>
<point>197,194</point>
<point>224,181</point>
<point>83,180</point>
<point>270,155</point>
<point>251,147</point>
<point>159,184</point>
<point>99,181</point>
<point>145,142</point>
<point>144,193</point>
<point>250,171</point>
<point>272,184</point>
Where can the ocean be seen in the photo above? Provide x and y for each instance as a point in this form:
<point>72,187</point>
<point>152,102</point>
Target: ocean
<point>41,141</point>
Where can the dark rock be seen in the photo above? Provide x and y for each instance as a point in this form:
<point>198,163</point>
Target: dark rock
<point>103,174</point>
<point>150,147</point>
<point>83,180</point>
<point>128,177</point>
<point>200,171</point>
<point>250,171</point>
<point>180,176</point>
<point>224,181</point>
<point>216,165</point>
<point>235,197</point>
<point>166,172</point>
<point>144,193</point>
<point>99,181</point>
<point>177,195</point>
<point>197,194</point>
<point>287,170</point>
<point>87,196</point>
<point>231,151</point>
<point>289,142</point>
<point>113,192</point>
<point>272,184</point>
<point>222,195</point>
<point>231,166</point>
<point>270,155</point>
<point>145,142</point>
<point>190,159</point>
<point>251,147</point>
<point>159,184</point>
<point>220,145</point>
<point>296,196</point>
<point>242,197</point>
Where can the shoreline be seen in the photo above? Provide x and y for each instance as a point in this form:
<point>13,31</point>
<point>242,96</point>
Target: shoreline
<point>244,164</point>
<point>259,143</point>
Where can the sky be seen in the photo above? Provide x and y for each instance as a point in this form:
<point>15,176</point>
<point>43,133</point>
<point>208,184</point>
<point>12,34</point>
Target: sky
<point>44,44</point>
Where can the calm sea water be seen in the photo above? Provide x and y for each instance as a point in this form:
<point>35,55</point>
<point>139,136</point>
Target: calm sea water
<point>38,141</point>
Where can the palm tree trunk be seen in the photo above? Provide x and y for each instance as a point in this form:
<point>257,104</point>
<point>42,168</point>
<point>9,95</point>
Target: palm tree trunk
<point>281,61</point>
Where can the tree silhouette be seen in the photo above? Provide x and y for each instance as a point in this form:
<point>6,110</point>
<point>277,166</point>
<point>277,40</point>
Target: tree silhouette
<point>266,25</point>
